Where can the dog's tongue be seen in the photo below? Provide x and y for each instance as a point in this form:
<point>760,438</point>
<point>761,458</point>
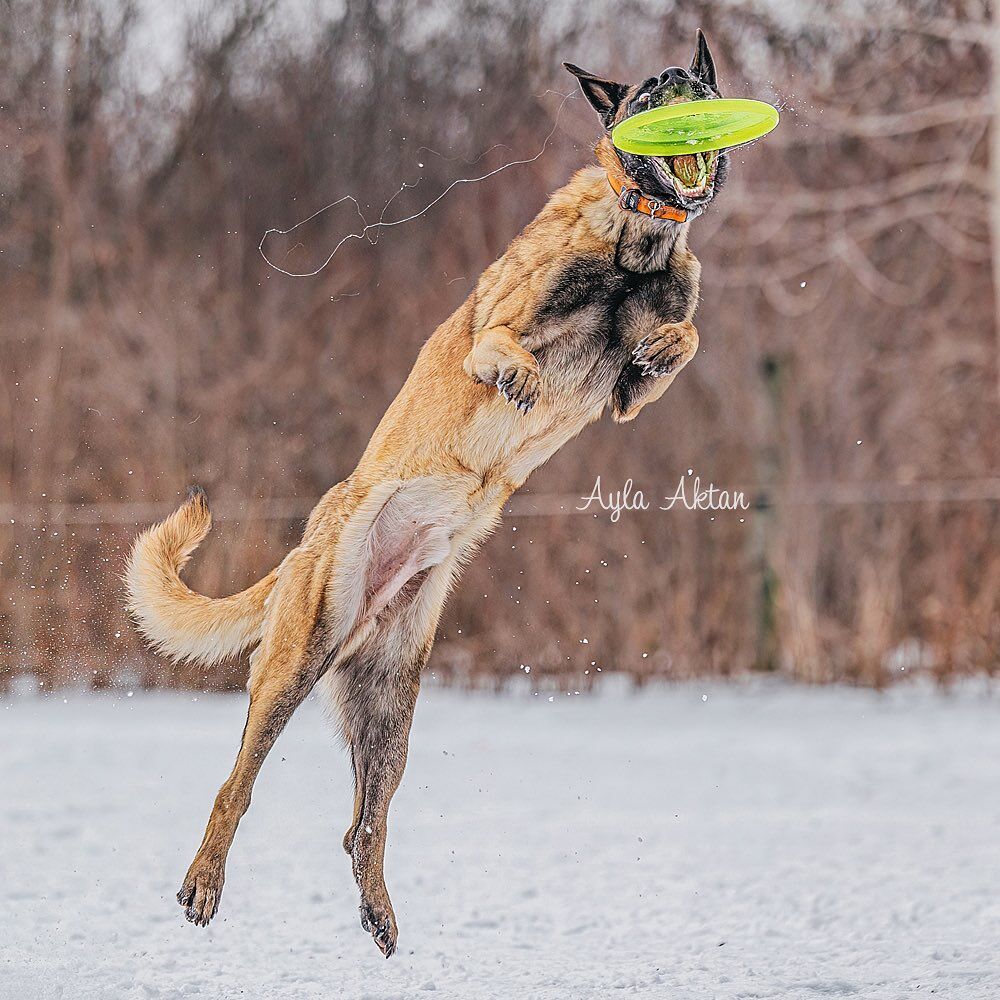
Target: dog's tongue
<point>686,168</point>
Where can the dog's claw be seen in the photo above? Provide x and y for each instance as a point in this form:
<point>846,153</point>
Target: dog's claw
<point>519,385</point>
<point>383,932</point>
<point>651,364</point>
<point>666,351</point>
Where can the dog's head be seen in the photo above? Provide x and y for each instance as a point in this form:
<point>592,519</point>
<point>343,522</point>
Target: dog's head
<point>690,181</point>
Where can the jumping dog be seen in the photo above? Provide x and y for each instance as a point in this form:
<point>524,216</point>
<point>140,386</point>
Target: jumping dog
<point>589,308</point>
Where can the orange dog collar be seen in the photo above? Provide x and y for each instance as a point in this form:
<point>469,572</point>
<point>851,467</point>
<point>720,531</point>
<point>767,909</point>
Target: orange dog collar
<point>633,200</point>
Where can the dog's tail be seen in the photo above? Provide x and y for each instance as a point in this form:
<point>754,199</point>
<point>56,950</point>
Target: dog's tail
<point>174,619</point>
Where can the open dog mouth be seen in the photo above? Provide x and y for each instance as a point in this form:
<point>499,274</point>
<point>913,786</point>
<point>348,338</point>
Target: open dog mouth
<point>691,175</point>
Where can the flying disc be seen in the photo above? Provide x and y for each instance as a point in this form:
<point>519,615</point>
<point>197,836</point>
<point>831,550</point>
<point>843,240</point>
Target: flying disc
<point>694,127</point>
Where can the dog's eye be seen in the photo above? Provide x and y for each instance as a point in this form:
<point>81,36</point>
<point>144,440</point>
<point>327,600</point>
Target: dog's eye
<point>643,99</point>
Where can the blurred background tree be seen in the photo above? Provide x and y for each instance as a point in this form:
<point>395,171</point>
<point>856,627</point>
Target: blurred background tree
<point>848,380</point>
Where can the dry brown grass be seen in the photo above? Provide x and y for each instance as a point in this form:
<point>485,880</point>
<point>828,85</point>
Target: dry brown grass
<point>146,345</point>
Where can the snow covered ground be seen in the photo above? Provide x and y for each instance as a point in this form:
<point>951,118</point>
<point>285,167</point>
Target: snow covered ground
<point>766,841</point>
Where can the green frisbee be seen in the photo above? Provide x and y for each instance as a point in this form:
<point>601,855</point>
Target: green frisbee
<point>694,127</point>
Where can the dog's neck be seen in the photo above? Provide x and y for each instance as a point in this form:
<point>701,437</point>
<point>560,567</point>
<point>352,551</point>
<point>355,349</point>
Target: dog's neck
<point>630,197</point>
<point>643,244</point>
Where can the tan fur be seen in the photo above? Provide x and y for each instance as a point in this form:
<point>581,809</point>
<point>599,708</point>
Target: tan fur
<point>358,601</point>
<point>175,620</point>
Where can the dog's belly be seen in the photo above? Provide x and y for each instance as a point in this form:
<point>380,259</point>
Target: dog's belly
<point>397,554</point>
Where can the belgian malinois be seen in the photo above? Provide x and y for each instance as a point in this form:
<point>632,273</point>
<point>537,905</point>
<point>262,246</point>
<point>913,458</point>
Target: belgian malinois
<point>590,307</point>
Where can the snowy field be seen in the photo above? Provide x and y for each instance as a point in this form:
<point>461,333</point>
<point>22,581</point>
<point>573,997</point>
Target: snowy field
<point>764,842</point>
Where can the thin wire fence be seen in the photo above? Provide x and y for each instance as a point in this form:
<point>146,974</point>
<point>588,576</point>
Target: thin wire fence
<point>758,497</point>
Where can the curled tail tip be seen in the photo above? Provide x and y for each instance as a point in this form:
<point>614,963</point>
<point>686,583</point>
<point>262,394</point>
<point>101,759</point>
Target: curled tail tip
<point>162,550</point>
<point>197,497</point>
<point>175,620</point>
<point>194,515</point>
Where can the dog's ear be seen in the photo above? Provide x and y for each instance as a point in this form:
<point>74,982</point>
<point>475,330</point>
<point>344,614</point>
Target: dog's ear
<point>604,95</point>
<point>703,65</point>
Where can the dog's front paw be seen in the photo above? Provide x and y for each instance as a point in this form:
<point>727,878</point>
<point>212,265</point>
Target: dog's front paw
<point>497,359</point>
<point>666,351</point>
<point>520,384</point>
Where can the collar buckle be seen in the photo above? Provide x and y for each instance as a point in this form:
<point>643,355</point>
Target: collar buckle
<point>628,199</point>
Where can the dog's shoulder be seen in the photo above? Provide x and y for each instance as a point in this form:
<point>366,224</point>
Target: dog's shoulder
<point>559,237</point>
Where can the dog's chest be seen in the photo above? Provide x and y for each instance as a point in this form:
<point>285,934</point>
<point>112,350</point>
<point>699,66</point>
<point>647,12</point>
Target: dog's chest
<point>593,314</point>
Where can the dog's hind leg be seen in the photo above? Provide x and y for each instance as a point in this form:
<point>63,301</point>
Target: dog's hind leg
<point>379,704</point>
<point>286,666</point>
<point>387,591</point>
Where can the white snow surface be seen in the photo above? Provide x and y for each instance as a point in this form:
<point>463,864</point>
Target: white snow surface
<point>765,841</point>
